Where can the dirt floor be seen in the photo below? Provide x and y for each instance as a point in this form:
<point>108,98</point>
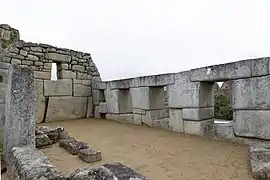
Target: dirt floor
<point>156,153</point>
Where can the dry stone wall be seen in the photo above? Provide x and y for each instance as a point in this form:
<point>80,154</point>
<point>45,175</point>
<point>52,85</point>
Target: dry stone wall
<point>70,96</point>
<point>191,100</point>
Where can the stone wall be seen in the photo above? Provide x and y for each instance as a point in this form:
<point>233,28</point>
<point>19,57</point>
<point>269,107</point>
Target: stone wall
<point>70,96</point>
<point>191,99</point>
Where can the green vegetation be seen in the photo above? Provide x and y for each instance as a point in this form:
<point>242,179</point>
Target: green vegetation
<point>223,108</point>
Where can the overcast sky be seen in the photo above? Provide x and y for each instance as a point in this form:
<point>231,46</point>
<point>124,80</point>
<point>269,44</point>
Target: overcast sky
<point>129,38</point>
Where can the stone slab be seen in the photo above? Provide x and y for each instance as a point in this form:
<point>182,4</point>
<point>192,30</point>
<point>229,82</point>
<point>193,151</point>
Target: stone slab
<point>89,155</point>
<point>103,107</point>
<point>222,72</point>
<point>252,93</point>
<point>72,146</point>
<point>198,127</point>
<point>58,57</point>
<point>19,110</point>
<point>176,122</point>
<point>66,74</point>
<point>140,97</point>
<point>61,87</point>
<point>66,107</point>
<point>198,113</point>
<point>42,75</point>
<point>40,101</point>
<point>260,67</point>
<point>183,93</point>
<point>89,107</point>
<point>30,163</point>
<point>143,81</point>
<point>252,123</point>
<point>223,130</point>
<point>80,90</point>
<point>42,140</point>
<point>111,97</point>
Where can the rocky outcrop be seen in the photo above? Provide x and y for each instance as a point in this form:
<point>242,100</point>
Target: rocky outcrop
<point>109,171</point>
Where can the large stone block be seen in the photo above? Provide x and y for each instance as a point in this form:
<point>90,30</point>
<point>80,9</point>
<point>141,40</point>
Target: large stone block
<point>184,93</point>
<point>111,97</point>
<point>252,123</point>
<point>198,113</point>
<point>140,97</point>
<point>151,115</point>
<point>252,93</point>
<point>222,72</point>
<point>125,101</point>
<point>80,90</point>
<point>198,127</point>
<point>223,129</point>
<point>61,87</point>
<point>176,122</point>
<point>103,107</point>
<point>30,163</point>
<point>66,107</point>
<point>4,76</point>
<point>259,67</point>
<point>19,110</point>
<point>40,101</point>
<point>89,107</point>
<point>66,74</point>
<point>42,75</point>
<point>58,57</point>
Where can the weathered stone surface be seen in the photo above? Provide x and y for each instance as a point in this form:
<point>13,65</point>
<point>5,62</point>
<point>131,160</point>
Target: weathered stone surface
<point>40,101</point>
<point>61,87</point>
<point>89,155</point>
<point>223,130</point>
<point>59,108</point>
<point>198,113</point>
<point>80,90</point>
<point>42,75</point>
<point>66,74</point>
<point>234,70</point>
<point>32,57</point>
<point>259,67</point>
<point>108,171</point>
<point>252,123</point>
<point>89,107</point>
<point>176,122</point>
<point>20,110</point>
<point>259,157</point>
<point>252,93</point>
<point>29,163</point>
<point>198,127</point>
<point>184,93</point>
<point>54,134</point>
<point>72,146</point>
<point>103,107</point>
<point>58,57</point>
<point>16,61</point>
<point>78,68</point>
<point>42,140</point>
<point>83,76</point>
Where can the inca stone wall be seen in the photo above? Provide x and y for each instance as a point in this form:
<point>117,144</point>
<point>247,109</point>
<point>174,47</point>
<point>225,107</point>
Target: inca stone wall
<point>191,100</point>
<point>69,97</point>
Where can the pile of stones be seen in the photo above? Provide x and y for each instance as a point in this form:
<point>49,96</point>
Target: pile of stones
<point>46,136</point>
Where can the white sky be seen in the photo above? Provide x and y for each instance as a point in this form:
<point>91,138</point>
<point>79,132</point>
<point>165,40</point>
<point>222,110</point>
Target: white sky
<point>141,37</point>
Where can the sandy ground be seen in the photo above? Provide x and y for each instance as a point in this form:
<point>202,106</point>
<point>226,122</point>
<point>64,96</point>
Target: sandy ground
<point>156,153</point>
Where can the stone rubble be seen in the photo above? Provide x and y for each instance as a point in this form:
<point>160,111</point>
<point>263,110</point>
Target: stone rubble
<point>260,162</point>
<point>110,171</point>
<point>72,146</point>
<point>31,164</point>
<point>89,155</point>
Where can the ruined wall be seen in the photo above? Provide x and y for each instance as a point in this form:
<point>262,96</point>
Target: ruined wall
<point>191,99</point>
<point>69,97</point>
